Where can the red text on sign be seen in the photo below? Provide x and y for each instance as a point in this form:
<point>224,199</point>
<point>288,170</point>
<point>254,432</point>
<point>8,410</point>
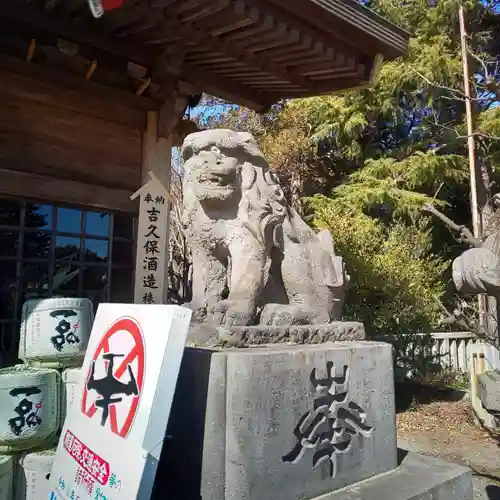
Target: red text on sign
<point>86,458</point>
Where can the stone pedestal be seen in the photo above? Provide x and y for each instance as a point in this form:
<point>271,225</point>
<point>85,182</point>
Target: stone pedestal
<point>280,423</point>
<point>488,390</point>
<point>417,477</point>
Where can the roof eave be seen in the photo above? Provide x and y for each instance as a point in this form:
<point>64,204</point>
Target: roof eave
<point>349,16</point>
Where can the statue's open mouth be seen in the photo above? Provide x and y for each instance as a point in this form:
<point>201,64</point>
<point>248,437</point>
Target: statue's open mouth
<point>218,179</point>
<point>222,179</point>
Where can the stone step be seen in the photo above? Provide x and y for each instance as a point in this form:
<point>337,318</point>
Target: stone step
<point>417,477</point>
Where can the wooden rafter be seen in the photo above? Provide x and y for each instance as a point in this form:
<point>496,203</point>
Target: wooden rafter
<point>249,52</point>
<point>171,113</point>
<point>198,34</point>
<point>74,31</point>
<point>226,88</point>
<point>351,23</point>
<point>341,50</point>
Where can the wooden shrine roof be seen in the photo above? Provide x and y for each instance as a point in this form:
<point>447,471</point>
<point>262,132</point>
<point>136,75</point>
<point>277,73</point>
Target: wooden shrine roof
<point>250,52</point>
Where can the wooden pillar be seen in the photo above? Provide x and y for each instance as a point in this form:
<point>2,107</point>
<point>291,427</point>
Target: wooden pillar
<point>164,158</point>
<point>152,256</point>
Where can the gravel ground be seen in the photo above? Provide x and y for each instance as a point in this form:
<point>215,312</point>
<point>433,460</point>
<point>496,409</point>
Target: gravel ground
<point>485,488</point>
<point>447,430</point>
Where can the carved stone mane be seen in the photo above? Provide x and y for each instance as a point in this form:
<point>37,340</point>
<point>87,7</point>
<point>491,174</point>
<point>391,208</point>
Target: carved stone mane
<point>262,202</point>
<point>255,261</point>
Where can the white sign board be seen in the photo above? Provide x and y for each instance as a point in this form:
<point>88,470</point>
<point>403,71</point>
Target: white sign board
<point>112,437</point>
<point>151,243</point>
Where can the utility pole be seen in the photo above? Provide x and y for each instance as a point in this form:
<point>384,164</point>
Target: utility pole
<point>477,220</point>
<point>477,228</point>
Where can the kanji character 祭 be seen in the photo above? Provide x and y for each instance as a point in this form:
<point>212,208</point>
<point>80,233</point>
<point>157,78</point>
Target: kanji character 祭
<point>329,428</point>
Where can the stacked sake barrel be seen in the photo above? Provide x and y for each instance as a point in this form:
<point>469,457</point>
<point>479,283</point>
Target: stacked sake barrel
<point>35,395</point>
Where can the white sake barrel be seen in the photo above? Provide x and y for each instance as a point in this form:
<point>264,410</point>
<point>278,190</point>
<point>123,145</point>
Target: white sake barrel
<point>31,475</point>
<point>55,332</point>
<point>6,477</point>
<point>29,407</point>
<point>70,379</point>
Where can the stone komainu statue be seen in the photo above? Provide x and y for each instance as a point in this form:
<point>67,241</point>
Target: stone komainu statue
<point>255,261</point>
<point>477,270</point>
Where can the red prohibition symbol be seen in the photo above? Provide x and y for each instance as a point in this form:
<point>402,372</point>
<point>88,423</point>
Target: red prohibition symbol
<point>122,327</point>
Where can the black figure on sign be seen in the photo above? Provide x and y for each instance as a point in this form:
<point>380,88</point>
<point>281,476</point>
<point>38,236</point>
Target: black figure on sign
<point>328,428</point>
<point>63,329</point>
<point>25,415</point>
<point>109,386</point>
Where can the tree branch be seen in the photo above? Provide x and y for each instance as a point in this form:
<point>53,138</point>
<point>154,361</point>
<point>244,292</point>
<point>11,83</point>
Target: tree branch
<point>458,93</point>
<point>489,82</point>
<point>471,324</point>
<point>465,234</point>
<point>481,62</point>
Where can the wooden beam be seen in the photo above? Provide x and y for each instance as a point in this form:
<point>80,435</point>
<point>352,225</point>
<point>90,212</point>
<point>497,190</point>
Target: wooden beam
<point>26,87</point>
<point>171,113</point>
<point>144,85</point>
<point>340,50</point>
<point>68,81</point>
<point>78,32</point>
<point>340,86</point>
<point>224,88</point>
<point>51,189</point>
<point>278,35</point>
<point>31,50</point>
<point>149,137</point>
<point>91,70</point>
<point>352,24</point>
<point>198,34</point>
<point>230,90</point>
<point>192,31</point>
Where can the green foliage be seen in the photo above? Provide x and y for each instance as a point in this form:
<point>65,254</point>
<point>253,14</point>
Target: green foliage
<point>394,185</point>
<point>488,123</point>
<point>394,275</point>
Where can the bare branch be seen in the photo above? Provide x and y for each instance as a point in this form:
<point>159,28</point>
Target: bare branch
<point>453,318</point>
<point>437,191</point>
<point>481,62</point>
<point>458,93</point>
<point>481,135</point>
<point>465,234</point>
<point>489,82</point>
<point>477,99</point>
<point>468,322</point>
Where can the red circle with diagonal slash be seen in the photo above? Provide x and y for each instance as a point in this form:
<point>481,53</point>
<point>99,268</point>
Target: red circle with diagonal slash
<point>131,327</point>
